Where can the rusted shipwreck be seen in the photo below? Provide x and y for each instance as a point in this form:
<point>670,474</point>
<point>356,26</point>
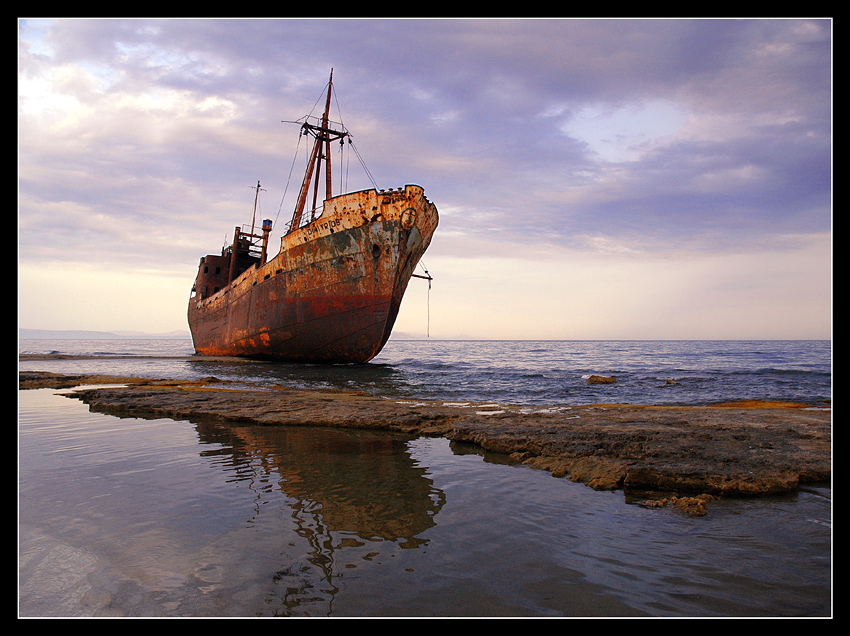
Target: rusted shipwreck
<point>332,293</point>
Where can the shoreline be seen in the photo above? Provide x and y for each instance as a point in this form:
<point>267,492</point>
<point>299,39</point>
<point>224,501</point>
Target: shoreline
<point>29,357</point>
<point>682,455</point>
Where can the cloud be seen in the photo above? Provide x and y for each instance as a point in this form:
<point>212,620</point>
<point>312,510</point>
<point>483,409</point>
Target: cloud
<point>689,141</point>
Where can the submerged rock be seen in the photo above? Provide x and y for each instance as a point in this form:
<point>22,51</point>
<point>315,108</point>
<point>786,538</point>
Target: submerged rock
<point>601,379</point>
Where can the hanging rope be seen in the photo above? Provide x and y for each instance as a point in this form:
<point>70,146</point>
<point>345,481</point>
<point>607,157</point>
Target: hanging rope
<point>362,163</point>
<point>288,179</point>
<point>343,164</point>
<point>429,278</point>
<point>351,143</point>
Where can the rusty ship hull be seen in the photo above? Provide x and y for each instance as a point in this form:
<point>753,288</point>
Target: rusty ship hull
<point>332,293</point>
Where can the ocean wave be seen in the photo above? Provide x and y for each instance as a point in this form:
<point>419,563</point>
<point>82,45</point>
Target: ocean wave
<point>509,372</point>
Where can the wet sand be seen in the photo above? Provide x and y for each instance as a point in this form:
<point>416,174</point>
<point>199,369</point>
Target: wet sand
<point>689,454</point>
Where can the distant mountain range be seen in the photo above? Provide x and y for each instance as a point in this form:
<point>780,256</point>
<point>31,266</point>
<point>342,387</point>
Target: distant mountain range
<point>51,334</point>
<point>403,335</point>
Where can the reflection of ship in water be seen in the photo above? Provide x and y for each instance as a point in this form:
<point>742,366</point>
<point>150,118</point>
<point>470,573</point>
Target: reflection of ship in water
<point>345,488</point>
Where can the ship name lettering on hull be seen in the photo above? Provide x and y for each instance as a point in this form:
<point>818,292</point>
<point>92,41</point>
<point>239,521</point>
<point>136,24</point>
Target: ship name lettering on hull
<point>327,225</point>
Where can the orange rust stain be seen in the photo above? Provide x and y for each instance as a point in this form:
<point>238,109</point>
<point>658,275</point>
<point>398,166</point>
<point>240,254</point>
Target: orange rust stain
<point>762,404</point>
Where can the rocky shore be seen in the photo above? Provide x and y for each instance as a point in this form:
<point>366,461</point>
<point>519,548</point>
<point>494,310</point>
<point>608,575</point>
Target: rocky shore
<point>690,454</point>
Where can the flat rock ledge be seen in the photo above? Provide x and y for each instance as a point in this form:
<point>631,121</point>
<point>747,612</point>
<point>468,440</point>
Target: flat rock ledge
<point>690,453</point>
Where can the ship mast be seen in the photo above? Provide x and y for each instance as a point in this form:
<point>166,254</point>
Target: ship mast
<point>256,198</point>
<point>321,151</point>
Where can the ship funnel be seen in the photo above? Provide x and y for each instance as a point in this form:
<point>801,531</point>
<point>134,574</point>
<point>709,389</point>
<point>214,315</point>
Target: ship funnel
<point>267,228</point>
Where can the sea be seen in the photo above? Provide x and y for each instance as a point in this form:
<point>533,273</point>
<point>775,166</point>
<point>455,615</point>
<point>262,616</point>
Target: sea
<point>132,517</point>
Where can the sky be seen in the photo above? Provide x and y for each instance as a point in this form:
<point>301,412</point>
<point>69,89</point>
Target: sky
<point>595,178</point>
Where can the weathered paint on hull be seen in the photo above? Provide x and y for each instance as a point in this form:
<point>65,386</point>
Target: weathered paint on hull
<point>333,292</point>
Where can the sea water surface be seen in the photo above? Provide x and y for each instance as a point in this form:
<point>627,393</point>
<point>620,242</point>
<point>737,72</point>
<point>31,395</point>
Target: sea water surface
<point>156,517</point>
